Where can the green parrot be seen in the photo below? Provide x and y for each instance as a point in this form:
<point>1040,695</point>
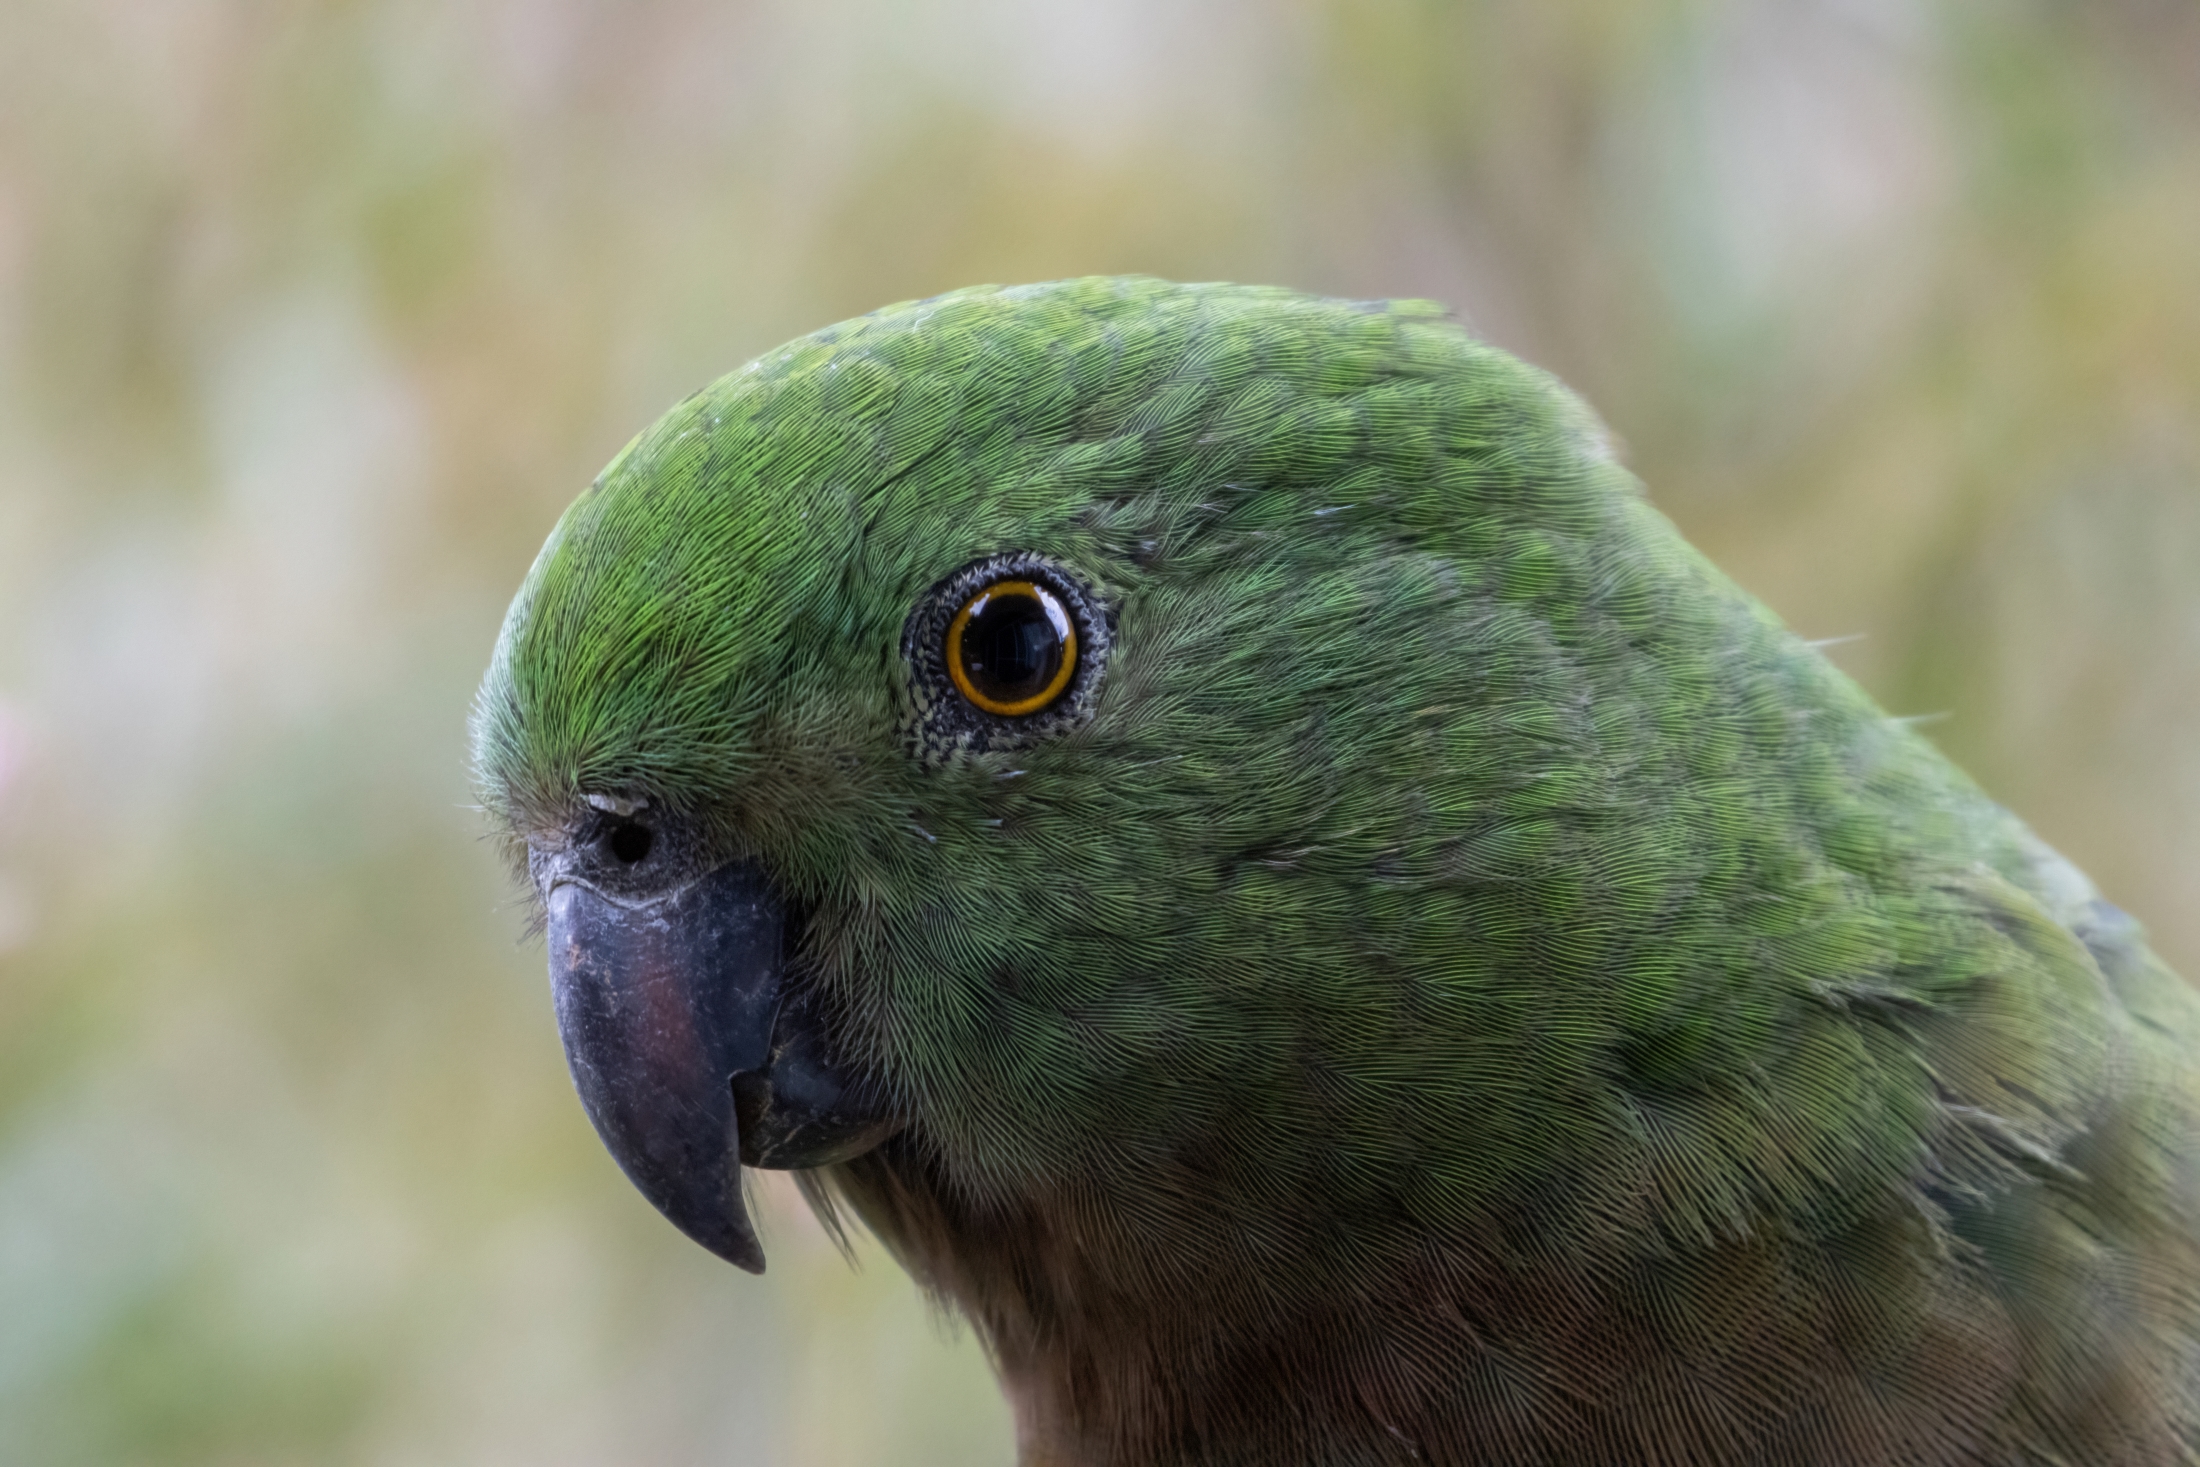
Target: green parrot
<point>1224,829</point>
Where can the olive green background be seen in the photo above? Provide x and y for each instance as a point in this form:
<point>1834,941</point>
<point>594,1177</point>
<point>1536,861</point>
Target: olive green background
<point>313,316</point>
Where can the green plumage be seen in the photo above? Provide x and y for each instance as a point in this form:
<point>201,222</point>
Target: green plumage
<point>1476,988</point>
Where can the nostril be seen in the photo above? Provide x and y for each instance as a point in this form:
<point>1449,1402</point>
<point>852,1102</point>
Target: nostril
<point>629,841</point>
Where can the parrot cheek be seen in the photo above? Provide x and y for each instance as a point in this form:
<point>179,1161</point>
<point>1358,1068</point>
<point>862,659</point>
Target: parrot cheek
<point>686,1058</point>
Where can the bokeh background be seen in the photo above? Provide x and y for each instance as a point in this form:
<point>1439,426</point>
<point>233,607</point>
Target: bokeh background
<point>314,315</point>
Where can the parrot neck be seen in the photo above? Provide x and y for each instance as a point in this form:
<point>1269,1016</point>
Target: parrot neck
<point>1124,1342</point>
<point>1126,1350</point>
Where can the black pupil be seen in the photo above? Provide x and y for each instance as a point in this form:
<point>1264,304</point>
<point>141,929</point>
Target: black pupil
<point>629,842</point>
<point>1010,651</point>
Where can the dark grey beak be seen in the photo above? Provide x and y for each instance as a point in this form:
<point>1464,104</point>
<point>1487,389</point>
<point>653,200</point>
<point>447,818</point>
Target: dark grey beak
<point>663,1005</point>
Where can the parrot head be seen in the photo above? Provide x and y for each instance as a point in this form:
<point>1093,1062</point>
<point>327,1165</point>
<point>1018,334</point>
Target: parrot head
<point>976,724</point>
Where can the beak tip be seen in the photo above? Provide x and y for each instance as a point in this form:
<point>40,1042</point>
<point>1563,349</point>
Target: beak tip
<point>728,1235</point>
<point>713,1216</point>
<point>743,1254</point>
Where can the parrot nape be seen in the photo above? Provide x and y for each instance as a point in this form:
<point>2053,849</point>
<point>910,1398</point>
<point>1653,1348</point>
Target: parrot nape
<point>1223,828</point>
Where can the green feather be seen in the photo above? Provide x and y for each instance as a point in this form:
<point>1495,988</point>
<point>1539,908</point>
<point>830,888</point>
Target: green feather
<point>1476,988</point>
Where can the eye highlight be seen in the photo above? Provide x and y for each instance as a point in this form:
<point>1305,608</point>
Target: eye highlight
<point>1012,648</point>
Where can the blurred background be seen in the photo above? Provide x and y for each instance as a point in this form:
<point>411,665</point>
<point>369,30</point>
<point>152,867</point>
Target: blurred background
<point>314,315</point>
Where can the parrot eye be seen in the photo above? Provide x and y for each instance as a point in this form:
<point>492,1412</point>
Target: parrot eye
<point>1005,651</point>
<point>1011,648</point>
